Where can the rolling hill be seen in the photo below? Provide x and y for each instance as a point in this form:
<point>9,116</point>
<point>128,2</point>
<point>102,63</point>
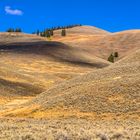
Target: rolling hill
<point>112,92</point>
<point>82,30</point>
<point>29,64</point>
<point>63,87</point>
<point>101,44</point>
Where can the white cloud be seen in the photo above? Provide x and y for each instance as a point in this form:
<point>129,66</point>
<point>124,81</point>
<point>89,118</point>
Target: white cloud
<point>10,11</point>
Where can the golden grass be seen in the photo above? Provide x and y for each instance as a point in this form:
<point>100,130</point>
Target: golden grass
<point>77,99</point>
<point>36,112</point>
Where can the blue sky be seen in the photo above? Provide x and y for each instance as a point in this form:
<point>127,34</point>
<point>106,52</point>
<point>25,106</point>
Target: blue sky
<point>30,15</point>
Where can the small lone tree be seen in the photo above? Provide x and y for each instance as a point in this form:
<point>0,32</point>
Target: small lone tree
<point>63,33</point>
<point>111,58</point>
<point>116,54</point>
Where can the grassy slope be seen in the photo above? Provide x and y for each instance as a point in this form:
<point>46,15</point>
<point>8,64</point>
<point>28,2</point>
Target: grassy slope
<point>109,92</point>
<point>117,86</point>
<point>101,44</point>
<point>41,64</point>
<point>29,64</point>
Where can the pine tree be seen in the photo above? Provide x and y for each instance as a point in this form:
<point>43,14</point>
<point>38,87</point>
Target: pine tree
<point>14,30</point>
<point>38,33</point>
<point>116,54</point>
<point>47,34</point>
<point>18,30</point>
<point>44,34</point>
<point>41,34</point>
<point>51,32</point>
<point>111,58</point>
<point>63,33</point>
<point>10,30</point>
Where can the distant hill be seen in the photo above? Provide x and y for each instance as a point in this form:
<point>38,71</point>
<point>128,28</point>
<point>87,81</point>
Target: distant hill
<point>82,30</point>
<point>100,43</point>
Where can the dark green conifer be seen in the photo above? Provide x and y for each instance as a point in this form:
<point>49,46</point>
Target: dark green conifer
<point>51,32</point>
<point>111,58</point>
<point>63,33</point>
<point>116,54</point>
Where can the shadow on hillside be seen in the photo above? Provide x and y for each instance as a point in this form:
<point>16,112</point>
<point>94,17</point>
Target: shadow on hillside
<point>22,89</point>
<point>56,50</point>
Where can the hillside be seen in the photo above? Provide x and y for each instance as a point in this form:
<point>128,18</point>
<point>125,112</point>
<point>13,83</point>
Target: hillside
<point>63,88</point>
<point>102,44</point>
<point>29,64</point>
<point>82,30</point>
<point>42,64</point>
<point>111,92</point>
<point>6,38</point>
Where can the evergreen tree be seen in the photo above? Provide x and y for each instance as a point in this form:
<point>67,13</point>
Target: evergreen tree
<point>14,30</point>
<point>18,30</point>
<point>41,34</point>
<point>10,30</point>
<point>51,32</point>
<point>38,33</point>
<point>47,34</point>
<point>116,54</point>
<point>111,58</point>
<point>63,33</point>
